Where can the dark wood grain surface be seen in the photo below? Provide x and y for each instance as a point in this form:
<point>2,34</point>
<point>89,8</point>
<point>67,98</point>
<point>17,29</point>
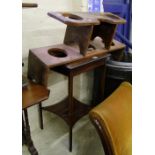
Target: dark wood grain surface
<point>33,94</point>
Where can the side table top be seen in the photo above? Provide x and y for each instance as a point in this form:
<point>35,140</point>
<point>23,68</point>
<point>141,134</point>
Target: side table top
<point>33,94</point>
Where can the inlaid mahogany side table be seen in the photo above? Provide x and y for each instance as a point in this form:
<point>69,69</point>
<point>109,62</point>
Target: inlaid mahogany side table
<point>70,109</point>
<point>32,94</point>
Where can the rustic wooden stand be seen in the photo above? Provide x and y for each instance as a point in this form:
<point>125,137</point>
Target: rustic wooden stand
<point>84,27</point>
<point>40,61</point>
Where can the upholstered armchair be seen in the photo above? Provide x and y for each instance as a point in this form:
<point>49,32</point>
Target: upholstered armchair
<point>113,121</point>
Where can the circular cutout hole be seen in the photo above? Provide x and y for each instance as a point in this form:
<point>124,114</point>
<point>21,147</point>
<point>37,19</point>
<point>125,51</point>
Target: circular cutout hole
<point>112,16</point>
<point>75,17</point>
<point>60,53</point>
<point>71,16</point>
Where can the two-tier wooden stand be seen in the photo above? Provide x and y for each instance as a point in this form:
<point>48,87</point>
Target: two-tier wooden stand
<point>78,54</point>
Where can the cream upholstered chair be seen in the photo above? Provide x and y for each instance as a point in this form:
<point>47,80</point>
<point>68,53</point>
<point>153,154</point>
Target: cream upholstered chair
<point>113,121</point>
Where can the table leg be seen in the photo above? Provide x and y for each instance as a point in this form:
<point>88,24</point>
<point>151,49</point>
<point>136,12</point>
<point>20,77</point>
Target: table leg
<point>40,115</point>
<point>71,109</point>
<point>99,85</point>
<point>29,141</point>
<point>70,139</point>
<point>23,132</point>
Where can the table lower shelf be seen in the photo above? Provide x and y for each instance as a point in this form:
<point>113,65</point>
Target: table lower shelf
<point>62,110</point>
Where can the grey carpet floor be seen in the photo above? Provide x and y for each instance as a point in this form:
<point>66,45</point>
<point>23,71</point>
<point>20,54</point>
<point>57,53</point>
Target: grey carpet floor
<point>53,139</point>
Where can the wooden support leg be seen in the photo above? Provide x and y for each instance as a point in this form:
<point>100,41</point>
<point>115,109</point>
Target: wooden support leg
<point>70,139</point>
<point>106,31</point>
<point>99,84</point>
<point>40,116</point>
<point>71,108</point>
<point>29,141</point>
<point>82,41</point>
<point>23,132</point>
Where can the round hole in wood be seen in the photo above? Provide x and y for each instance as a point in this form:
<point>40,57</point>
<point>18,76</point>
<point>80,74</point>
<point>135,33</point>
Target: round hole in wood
<point>56,52</point>
<point>72,16</point>
<point>112,16</point>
